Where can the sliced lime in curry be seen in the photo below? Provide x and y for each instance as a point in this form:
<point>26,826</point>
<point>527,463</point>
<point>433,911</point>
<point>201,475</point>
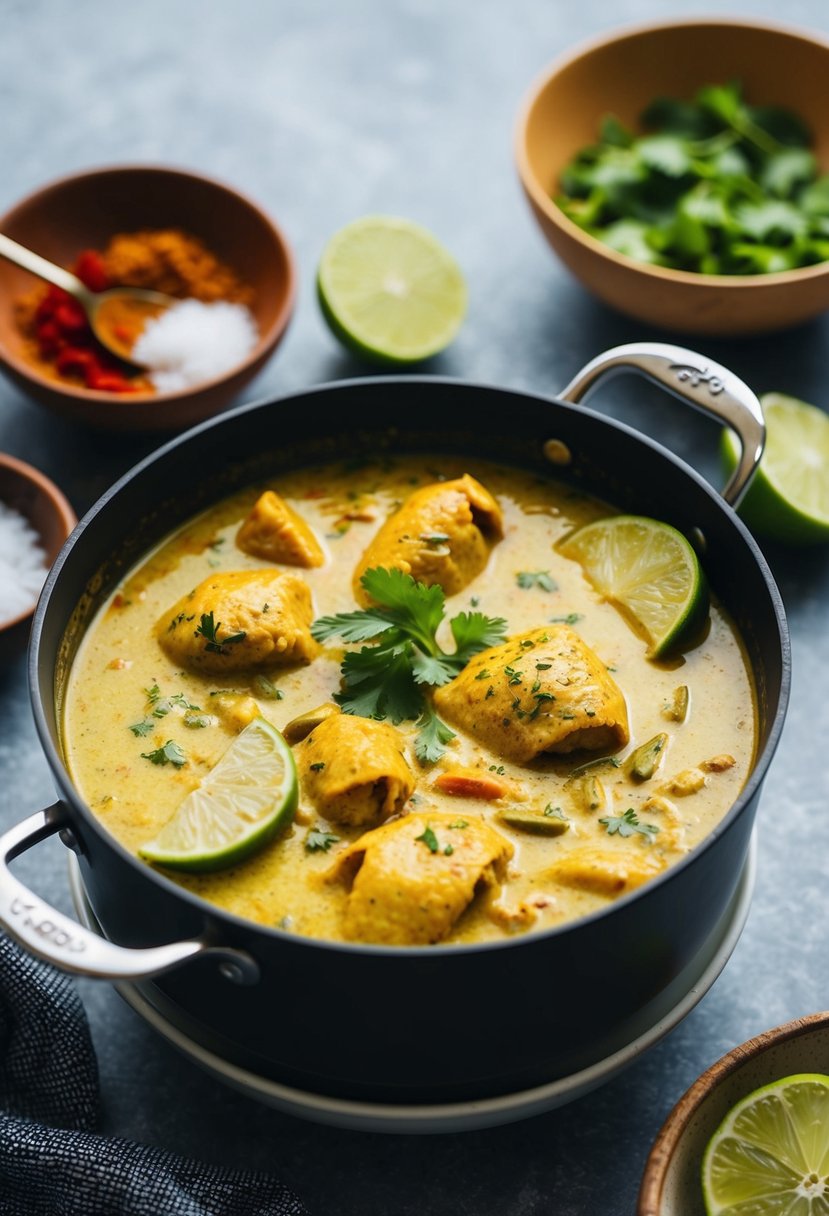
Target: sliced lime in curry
<point>770,1155</point>
<point>246,800</point>
<point>649,571</point>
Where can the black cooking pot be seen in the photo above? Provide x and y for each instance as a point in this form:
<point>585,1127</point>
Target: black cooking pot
<point>439,1023</point>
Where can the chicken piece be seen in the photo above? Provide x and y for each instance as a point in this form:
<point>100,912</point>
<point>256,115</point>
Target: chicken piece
<point>688,782</point>
<point>609,872</point>
<point>718,764</point>
<point>543,691</point>
<point>354,770</point>
<point>274,532</point>
<point>236,710</point>
<point>442,534</point>
<point>240,620</point>
<point>411,879</point>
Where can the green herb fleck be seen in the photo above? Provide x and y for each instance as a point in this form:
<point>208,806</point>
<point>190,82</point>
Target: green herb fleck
<point>429,839</point>
<point>209,630</point>
<point>628,825</point>
<point>266,688</point>
<point>536,578</point>
<point>169,753</point>
<point>141,729</point>
<point>319,841</point>
<point>570,618</point>
<point>318,767</point>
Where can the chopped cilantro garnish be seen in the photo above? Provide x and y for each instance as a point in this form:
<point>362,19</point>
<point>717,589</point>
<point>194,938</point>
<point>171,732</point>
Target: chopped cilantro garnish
<point>318,767</point>
<point>386,679</point>
<point>319,841</point>
<point>429,839</point>
<point>169,753</point>
<point>628,824</point>
<point>536,578</point>
<point>209,630</point>
<point>141,729</point>
<point>569,618</point>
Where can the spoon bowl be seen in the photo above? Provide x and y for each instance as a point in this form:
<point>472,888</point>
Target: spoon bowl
<point>117,316</point>
<point>85,211</point>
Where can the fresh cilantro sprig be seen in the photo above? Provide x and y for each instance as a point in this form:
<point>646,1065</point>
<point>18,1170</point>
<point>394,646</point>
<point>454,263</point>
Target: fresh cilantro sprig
<point>715,185</point>
<point>387,678</point>
<point>628,825</point>
<point>209,630</point>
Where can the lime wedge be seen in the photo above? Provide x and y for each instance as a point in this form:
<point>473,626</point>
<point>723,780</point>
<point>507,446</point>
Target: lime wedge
<point>649,571</point>
<point>389,290</point>
<point>242,804</point>
<point>770,1155</point>
<point>789,497</point>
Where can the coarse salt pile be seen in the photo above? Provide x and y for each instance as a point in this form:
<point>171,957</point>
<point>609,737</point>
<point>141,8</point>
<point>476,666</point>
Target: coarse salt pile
<point>192,342</point>
<point>23,564</point>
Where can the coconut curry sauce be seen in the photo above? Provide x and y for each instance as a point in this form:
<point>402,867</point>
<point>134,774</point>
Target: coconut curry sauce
<point>496,837</point>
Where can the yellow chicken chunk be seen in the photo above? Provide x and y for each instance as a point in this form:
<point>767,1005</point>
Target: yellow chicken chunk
<point>274,532</point>
<point>240,620</point>
<point>543,691</point>
<point>354,770</point>
<point>411,879</point>
<point>442,534</point>
<point>605,871</point>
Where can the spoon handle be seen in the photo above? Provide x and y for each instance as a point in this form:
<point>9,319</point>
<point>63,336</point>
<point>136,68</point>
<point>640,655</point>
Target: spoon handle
<point>34,263</point>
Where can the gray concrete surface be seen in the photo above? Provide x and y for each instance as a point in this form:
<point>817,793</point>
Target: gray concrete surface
<point>325,111</point>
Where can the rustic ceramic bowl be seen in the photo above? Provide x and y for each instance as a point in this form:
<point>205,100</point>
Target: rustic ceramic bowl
<point>671,1182</point>
<point>84,211</point>
<point>621,74</point>
<point>34,496</point>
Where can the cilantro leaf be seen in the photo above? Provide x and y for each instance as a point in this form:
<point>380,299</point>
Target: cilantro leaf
<point>536,578</point>
<point>474,632</point>
<point>628,825</point>
<point>716,186</point>
<point>141,729</point>
<point>432,736</point>
<point>429,839</point>
<point>386,679</point>
<point>350,626</point>
<point>318,840</point>
<point>169,753</point>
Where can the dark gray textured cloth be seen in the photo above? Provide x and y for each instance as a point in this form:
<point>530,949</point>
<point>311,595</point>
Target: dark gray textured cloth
<point>51,1161</point>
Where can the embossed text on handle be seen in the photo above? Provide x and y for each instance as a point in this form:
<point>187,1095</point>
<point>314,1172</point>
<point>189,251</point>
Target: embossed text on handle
<point>697,376</point>
<point>45,927</point>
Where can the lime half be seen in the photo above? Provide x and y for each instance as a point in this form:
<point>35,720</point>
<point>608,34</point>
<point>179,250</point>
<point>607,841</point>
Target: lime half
<point>242,804</point>
<point>770,1156</point>
<point>649,571</point>
<point>788,499</point>
<point>390,291</point>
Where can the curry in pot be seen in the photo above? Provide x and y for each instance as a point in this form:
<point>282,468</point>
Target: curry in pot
<point>529,766</point>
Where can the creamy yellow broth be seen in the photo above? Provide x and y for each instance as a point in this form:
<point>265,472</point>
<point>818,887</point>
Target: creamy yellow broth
<point>119,659</point>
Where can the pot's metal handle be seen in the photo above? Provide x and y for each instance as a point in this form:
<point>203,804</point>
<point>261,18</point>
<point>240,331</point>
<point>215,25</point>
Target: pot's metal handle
<point>55,938</point>
<point>690,376</point>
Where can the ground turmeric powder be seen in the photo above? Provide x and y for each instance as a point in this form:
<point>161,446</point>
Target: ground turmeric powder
<point>173,262</point>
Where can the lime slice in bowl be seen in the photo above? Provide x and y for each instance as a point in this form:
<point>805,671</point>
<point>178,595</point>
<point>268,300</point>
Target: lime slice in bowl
<point>246,799</point>
<point>770,1155</point>
<point>390,291</point>
<point>788,500</point>
<point>649,571</point>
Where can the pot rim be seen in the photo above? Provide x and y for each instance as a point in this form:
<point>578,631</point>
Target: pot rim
<point>204,908</point>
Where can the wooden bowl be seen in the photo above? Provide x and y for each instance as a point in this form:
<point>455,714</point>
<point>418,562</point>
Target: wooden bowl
<point>671,1182</point>
<point>621,74</point>
<point>39,500</point>
<point>82,212</point>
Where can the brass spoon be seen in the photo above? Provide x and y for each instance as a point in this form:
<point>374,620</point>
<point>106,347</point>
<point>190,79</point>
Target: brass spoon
<point>104,309</point>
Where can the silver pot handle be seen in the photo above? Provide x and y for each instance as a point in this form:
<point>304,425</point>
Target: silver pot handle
<point>57,939</point>
<point>704,384</point>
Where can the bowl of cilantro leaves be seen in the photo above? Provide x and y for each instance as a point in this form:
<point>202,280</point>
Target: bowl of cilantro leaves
<point>681,172</point>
